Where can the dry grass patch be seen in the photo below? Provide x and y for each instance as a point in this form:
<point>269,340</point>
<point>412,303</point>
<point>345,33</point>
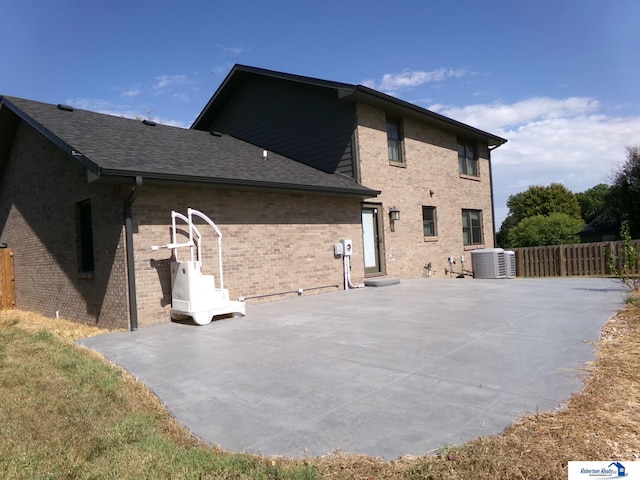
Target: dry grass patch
<point>600,423</point>
<point>66,413</point>
<point>61,328</point>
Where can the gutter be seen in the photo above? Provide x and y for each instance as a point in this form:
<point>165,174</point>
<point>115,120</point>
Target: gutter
<point>131,273</point>
<point>493,203</point>
<point>357,190</point>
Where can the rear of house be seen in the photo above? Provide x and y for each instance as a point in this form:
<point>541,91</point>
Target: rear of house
<point>84,197</point>
<point>287,167</point>
<point>434,173</point>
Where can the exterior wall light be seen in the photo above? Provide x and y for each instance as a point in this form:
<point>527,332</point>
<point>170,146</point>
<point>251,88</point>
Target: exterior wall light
<point>394,215</point>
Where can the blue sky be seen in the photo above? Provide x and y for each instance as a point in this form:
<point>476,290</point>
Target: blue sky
<point>557,78</point>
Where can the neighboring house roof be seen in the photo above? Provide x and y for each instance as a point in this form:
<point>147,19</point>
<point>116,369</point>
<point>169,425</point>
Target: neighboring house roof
<point>347,92</point>
<point>604,224</point>
<point>110,146</point>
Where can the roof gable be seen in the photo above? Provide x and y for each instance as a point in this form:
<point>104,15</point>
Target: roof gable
<point>346,92</point>
<point>110,146</point>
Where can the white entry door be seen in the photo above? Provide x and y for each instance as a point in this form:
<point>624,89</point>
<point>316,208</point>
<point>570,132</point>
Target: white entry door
<point>371,241</point>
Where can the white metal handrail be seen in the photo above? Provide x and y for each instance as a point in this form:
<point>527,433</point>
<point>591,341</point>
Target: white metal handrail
<point>190,213</point>
<point>174,245</point>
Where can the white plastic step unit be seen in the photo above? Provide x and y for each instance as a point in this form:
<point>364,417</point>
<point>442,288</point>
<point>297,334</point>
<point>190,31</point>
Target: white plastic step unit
<point>194,294</point>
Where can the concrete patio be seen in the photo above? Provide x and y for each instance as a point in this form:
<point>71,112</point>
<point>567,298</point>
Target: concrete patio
<point>384,371</point>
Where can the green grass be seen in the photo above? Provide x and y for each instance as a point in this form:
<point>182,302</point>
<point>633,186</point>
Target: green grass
<point>66,413</point>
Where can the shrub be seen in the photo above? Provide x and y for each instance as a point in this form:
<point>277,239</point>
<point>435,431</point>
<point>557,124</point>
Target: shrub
<point>624,266</point>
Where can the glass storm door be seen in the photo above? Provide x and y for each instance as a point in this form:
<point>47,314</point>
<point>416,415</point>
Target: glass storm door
<point>371,241</point>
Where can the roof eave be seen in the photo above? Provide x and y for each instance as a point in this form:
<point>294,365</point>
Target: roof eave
<point>362,192</point>
<point>354,93</point>
<point>202,115</point>
<point>58,142</point>
<point>373,97</point>
<point>239,70</point>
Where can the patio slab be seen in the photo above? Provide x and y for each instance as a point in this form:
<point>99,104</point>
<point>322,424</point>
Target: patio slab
<point>387,372</point>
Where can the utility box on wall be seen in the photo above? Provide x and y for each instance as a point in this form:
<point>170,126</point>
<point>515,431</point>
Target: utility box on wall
<point>347,247</point>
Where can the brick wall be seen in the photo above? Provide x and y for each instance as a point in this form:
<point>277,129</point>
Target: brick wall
<point>272,242</point>
<point>431,164</point>
<point>38,194</point>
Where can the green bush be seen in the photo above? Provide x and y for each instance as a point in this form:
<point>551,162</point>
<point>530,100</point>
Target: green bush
<point>624,266</point>
<point>553,229</point>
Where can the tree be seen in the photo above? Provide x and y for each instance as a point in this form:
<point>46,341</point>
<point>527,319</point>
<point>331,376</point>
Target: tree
<point>624,195</point>
<point>537,201</point>
<point>593,202</point>
<point>553,229</point>
<point>502,236</point>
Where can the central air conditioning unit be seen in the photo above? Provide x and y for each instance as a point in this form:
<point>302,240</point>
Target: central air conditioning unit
<point>510,263</point>
<point>489,263</point>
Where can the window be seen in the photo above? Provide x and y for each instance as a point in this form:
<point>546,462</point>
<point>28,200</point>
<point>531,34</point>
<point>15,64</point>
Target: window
<point>84,236</point>
<point>394,140</point>
<point>429,221</point>
<point>467,159</point>
<point>472,227</point>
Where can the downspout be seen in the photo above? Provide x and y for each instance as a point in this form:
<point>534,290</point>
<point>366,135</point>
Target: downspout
<point>493,203</point>
<point>131,273</point>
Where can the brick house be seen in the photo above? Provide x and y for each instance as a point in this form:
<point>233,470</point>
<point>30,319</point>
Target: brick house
<point>84,196</point>
<point>433,171</point>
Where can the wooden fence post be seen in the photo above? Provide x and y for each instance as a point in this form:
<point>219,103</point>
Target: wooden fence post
<point>563,259</point>
<point>7,290</point>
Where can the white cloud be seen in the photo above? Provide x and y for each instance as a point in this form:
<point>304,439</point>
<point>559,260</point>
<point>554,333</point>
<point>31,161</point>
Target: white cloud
<point>166,83</point>
<point>133,92</point>
<point>100,106</point>
<point>369,83</point>
<point>570,141</point>
<point>120,110</point>
<point>498,116</point>
<point>222,70</point>
<point>180,97</point>
<point>233,50</point>
<point>407,79</point>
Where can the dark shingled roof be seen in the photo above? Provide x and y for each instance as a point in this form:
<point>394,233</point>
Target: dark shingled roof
<point>606,223</point>
<point>110,146</point>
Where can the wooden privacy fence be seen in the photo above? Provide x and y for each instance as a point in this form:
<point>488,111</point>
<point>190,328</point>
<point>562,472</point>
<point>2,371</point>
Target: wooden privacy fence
<point>7,291</point>
<point>582,259</point>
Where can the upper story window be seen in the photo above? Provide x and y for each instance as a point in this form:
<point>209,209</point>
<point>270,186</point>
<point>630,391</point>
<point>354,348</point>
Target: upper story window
<point>471,227</point>
<point>468,159</point>
<point>429,227</point>
<point>394,140</point>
